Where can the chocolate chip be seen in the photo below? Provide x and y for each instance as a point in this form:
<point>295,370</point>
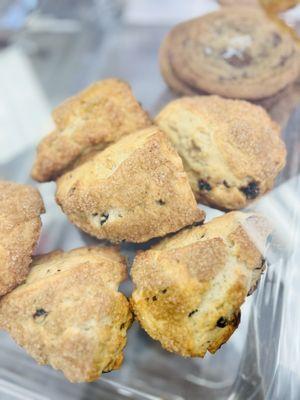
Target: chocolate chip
<point>40,312</point>
<point>251,191</point>
<point>122,326</point>
<point>192,312</point>
<point>161,202</point>
<point>103,218</point>
<point>222,322</point>
<point>203,185</point>
<point>239,61</point>
<point>164,291</point>
<point>282,61</point>
<point>154,298</point>
<point>226,184</point>
<point>276,39</point>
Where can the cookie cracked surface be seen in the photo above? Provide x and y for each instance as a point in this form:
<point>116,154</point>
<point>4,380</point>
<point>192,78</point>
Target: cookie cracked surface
<point>134,190</point>
<point>231,149</point>
<point>189,288</point>
<point>20,227</point>
<point>236,52</point>
<point>96,117</point>
<point>69,313</point>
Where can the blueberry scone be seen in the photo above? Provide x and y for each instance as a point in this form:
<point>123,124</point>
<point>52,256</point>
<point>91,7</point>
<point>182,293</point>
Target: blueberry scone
<point>96,117</point>
<point>189,288</point>
<point>69,313</point>
<point>231,149</point>
<point>134,190</point>
<point>20,227</point>
<point>236,52</point>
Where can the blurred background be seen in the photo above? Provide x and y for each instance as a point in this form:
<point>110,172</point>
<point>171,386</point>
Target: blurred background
<point>51,49</point>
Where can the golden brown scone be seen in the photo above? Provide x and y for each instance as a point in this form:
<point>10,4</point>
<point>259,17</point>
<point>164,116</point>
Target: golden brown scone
<point>97,116</point>
<point>134,190</point>
<point>20,227</point>
<point>189,288</point>
<point>231,149</point>
<point>235,52</point>
<point>69,313</point>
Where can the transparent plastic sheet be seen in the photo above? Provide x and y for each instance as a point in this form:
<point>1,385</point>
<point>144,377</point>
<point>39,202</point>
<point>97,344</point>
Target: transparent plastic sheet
<point>262,358</point>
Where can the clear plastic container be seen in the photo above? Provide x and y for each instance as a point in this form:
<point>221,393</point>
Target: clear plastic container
<point>262,358</point>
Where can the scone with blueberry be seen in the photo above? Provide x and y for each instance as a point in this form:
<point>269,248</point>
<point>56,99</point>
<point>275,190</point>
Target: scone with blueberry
<point>189,288</point>
<point>69,313</point>
<point>231,149</point>
<point>134,190</point>
<point>20,228</point>
<point>94,118</point>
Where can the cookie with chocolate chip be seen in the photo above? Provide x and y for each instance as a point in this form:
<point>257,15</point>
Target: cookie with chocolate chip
<point>69,313</point>
<point>133,191</point>
<point>235,52</point>
<point>96,117</point>
<point>231,149</point>
<point>20,228</point>
<point>189,288</point>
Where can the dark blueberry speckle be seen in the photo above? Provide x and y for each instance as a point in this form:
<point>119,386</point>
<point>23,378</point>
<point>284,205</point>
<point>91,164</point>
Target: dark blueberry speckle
<point>192,313</point>
<point>222,322</point>
<point>104,217</point>
<point>251,191</point>
<point>203,185</point>
<point>40,312</point>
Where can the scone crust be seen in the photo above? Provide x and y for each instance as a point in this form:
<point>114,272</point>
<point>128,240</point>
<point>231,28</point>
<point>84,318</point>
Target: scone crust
<point>69,313</point>
<point>20,227</point>
<point>189,288</point>
<point>231,149</point>
<point>97,116</point>
<point>133,191</point>
<point>236,52</point>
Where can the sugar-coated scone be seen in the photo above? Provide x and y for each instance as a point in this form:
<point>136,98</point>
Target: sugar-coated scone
<point>69,313</point>
<point>134,190</point>
<point>97,116</point>
<point>189,288</point>
<point>235,52</point>
<point>231,149</point>
<point>20,227</point>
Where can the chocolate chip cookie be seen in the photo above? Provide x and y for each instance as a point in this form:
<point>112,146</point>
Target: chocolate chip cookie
<point>189,288</point>
<point>236,52</point>
<point>231,149</point>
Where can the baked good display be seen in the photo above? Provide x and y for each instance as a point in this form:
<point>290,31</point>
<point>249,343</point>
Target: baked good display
<point>20,227</point>
<point>189,288</point>
<point>236,52</point>
<point>231,149</point>
<point>69,313</point>
<point>134,190</point>
<point>96,117</point>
